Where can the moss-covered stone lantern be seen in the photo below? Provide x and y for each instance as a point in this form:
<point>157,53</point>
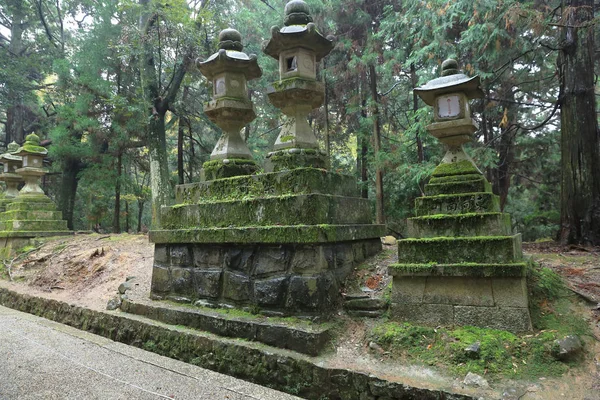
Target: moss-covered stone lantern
<point>11,163</point>
<point>298,47</point>
<point>461,263</point>
<point>449,95</point>
<point>231,109</point>
<point>32,169</point>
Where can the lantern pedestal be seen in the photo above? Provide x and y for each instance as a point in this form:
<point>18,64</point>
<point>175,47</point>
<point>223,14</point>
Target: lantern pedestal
<point>462,264</point>
<point>231,156</point>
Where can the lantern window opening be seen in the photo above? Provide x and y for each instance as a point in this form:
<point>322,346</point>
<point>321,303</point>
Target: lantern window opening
<point>291,63</point>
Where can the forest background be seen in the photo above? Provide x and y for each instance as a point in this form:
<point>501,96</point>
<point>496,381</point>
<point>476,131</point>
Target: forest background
<point>113,89</point>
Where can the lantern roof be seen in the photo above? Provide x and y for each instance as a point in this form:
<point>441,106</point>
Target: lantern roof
<point>230,58</point>
<point>299,31</point>
<point>31,146</point>
<point>9,156</point>
<point>452,80</point>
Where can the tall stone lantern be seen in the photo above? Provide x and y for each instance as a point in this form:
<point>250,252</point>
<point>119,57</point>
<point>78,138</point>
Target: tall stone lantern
<point>449,95</point>
<point>33,169</point>
<point>298,47</point>
<point>229,69</point>
<point>11,163</point>
<point>461,264</point>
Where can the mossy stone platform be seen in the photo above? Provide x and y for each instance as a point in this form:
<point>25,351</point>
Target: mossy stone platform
<point>281,243</point>
<point>29,216</point>
<point>462,264</point>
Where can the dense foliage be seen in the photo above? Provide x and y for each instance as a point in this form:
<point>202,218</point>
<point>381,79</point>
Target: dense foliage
<point>113,87</point>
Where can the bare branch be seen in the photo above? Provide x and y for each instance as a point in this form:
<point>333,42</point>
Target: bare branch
<point>268,5</point>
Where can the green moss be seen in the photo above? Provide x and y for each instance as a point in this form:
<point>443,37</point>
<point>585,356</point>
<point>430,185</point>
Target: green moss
<point>502,354</point>
<point>34,149</point>
<point>464,167</point>
<point>286,83</point>
<point>455,178</point>
<point>460,269</point>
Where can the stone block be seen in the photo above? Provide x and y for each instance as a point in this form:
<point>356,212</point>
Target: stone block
<point>270,292</point>
<point>358,251</point>
<point>236,287</point>
<point>207,283</point>
<point>206,257</point>
<point>239,259</point>
<point>161,255</point>
<point>510,292</point>
<point>458,290</point>
<point>161,280</point>
<point>513,319</point>
<point>308,259</point>
<point>182,282</point>
<point>457,204</point>
<point>312,293</point>
<point>428,314</point>
<point>476,185</point>
<point>484,224</point>
<point>449,250</point>
<point>372,247</point>
<point>344,255</point>
<point>180,255</point>
<point>408,290</point>
<point>270,260</point>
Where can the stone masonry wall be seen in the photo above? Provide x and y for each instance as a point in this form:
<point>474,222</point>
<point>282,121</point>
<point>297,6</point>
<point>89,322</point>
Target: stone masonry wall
<point>280,279</point>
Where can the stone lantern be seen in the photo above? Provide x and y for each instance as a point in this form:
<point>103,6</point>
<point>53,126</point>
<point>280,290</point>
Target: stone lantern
<point>298,47</point>
<point>32,170</point>
<point>449,95</point>
<point>11,163</point>
<point>461,263</point>
<point>231,109</point>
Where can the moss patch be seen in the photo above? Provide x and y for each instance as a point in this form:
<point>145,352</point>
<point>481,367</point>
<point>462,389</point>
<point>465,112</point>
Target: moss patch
<point>502,354</point>
<point>464,167</point>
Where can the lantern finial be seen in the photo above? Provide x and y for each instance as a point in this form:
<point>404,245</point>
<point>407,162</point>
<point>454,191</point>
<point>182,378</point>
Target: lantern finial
<point>297,13</point>
<point>450,67</point>
<point>230,39</point>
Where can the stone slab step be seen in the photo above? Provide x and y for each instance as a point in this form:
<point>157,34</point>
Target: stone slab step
<point>453,250</point>
<point>476,185</point>
<point>457,204</point>
<point>460,269</point>
<point>365,304</point>
<point>450,225</point>
<point>32,234</point>
<point>31,215</point>
<point>21,205</point>
<point>296,181</point>
<point>269,234</point>
<point>33,225</point>
<point>304,338</point>
<point>311,209</point>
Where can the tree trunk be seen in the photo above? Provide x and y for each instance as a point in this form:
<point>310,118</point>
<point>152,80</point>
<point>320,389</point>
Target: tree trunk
<point>16,109</point>
<point>68,190</point>
<point>117,214</point>
<point>580,143</point>
<point>140,213</point>
<point>127,226</point>
<point>180,136</point>
<point>379,196</point>
<point>414,81</point>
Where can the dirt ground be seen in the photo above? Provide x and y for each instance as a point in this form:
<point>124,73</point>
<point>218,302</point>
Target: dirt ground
<point>87,270</point>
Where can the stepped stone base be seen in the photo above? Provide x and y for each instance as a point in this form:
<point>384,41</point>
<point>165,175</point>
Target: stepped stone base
<point>281,243</point>
<point>26,217</point>
<point>462,264</point>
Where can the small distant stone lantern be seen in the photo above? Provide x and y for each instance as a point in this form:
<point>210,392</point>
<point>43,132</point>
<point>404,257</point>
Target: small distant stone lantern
<point>298,47</point>
<point>231,109</point>
<point>10,176</point>
<point>33,169</point>
<point>449,95</point>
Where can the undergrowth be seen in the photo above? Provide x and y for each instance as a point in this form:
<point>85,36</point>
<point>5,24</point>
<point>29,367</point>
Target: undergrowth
<point>501,353</point>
